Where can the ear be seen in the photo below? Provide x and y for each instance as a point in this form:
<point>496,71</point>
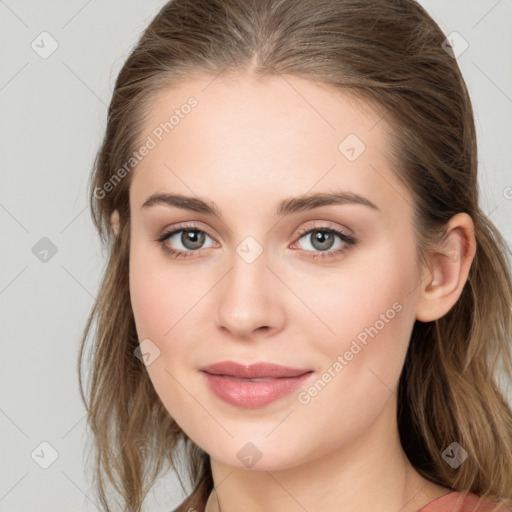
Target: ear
<point>449,266</point>
<point>114,221</point>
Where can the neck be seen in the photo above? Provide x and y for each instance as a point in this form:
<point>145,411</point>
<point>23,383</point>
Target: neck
<point>371,472</point>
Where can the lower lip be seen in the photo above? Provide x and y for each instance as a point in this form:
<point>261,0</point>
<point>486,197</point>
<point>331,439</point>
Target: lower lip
<point>252,395</point>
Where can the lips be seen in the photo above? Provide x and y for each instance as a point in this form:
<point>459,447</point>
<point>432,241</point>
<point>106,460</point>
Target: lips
<point>253,371</point>
<point>253,386</point>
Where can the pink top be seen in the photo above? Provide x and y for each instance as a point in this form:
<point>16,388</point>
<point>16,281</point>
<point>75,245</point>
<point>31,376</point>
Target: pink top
<point>455,502</point>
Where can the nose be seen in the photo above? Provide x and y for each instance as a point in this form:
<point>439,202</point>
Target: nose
<point>249,299</point>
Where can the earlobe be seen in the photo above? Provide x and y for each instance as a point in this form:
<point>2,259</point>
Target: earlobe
<point>449,269</point>
<point>114,222</point>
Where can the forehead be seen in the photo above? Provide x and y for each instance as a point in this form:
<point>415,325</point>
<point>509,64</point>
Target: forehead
<point>259,137</point>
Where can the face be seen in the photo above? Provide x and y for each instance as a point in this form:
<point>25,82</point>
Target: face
<point>328,287</point>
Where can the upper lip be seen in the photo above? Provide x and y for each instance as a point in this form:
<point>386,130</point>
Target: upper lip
<point>252,371</point>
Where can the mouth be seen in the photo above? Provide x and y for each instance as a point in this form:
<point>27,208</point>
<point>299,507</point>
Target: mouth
<point>253,386</point>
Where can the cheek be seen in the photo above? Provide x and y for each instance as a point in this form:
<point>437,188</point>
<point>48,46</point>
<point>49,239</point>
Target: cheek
<point>372,317</point>
<point>367,313</point>
<point>165,303</point>
<point>160,304</point>
<point>366,290</point>
<point>158,297</point>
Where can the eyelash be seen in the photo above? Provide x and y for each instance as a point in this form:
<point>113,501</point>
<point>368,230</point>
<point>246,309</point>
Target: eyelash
<point>349,241</point>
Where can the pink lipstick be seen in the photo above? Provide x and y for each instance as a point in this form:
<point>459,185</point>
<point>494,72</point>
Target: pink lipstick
<point>253,386</point>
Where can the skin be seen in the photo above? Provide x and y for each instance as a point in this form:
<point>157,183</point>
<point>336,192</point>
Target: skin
<point>249,144</point>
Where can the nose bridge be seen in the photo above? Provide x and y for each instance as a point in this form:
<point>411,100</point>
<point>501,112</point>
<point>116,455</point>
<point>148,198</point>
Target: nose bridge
<point>248,298</point>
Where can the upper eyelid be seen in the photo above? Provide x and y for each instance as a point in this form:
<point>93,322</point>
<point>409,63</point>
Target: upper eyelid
<point>186,227</point>
<point>326,227</point>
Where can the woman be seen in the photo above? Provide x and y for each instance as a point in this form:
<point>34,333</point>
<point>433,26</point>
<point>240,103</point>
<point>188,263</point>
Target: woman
<point>304,304</point>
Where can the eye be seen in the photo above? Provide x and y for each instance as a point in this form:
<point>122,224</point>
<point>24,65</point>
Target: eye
<point>183,241</point>
<point>322,241</point>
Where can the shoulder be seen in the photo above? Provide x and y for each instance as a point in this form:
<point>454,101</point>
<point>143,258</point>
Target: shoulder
<point>459,502</point>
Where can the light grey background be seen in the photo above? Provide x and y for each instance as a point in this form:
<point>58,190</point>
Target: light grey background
<point>53,114</point>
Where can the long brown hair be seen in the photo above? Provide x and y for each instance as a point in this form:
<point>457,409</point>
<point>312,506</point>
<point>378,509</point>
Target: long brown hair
<point>391,54</point>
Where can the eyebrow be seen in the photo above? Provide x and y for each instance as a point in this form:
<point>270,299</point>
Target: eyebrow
<point>285,207</point>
